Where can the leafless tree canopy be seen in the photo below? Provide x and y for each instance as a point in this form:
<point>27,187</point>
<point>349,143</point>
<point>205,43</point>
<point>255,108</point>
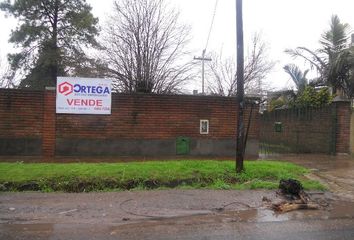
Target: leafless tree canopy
<point>5,79</point>
<point>222,80</point>
<point>144,47</point>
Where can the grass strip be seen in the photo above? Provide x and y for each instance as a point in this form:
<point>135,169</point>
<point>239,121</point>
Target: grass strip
<point>193,174</point>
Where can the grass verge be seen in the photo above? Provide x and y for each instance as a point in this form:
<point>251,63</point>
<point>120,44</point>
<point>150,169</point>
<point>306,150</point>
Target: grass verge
<point>86,177</point>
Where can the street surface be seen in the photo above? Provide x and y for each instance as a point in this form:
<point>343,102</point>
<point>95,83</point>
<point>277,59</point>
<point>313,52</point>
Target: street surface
<point>172,214</point>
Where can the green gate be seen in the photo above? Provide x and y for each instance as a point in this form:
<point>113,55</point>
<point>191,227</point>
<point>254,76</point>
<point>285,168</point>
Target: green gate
<point>182,145</point>
<point>298,130</point>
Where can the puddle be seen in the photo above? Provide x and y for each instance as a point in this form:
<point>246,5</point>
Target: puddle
<point>255,215</point>
<point>338,209</point>
<point>341,209</point>
<point>262,215</point>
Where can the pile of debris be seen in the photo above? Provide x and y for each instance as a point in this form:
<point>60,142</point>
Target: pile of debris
<point>294,196</point>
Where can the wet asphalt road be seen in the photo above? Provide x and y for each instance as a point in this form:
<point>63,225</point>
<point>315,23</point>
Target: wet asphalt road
<point>172,214</point>
<point>205,228</point>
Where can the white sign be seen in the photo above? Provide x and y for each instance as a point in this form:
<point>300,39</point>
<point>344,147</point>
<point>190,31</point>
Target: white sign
<point>83,95</point>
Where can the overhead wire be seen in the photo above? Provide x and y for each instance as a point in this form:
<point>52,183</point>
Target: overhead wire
<point>212,23</point>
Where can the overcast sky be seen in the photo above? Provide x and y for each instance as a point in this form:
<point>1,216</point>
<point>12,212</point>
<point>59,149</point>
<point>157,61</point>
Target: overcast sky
<point>283,24</point>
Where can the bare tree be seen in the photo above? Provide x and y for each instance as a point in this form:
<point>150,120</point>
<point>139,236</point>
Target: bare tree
<point>144,47</point>
<point>6,80</point>
<point>257,67</point>
<point>222,76</point>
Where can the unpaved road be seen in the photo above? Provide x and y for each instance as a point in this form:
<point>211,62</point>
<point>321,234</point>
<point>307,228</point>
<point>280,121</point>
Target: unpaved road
<point>172,214</point>
<point>182,229</point>
<point>117,208</point>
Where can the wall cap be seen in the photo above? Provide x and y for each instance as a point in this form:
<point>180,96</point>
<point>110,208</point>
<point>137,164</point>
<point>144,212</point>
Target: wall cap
<point>340,99</point>
<point>50,88</point>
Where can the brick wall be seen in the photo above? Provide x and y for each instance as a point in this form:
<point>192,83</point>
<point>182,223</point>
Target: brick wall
<point>157,117</point>
<point>49,125</point>
<point>140,124</point>
<point>149,125</point>
<point>21,121</point>
<point>343,127</point>
<point>307,130</point>
<point>144,124</point>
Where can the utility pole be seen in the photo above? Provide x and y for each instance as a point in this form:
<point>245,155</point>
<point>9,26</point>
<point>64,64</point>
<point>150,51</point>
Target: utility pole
<point>240,89</point>
<point>203,59</point>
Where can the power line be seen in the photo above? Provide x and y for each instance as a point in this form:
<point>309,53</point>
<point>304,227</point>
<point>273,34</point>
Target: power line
<point>203,58</point>
<point>212,23</point>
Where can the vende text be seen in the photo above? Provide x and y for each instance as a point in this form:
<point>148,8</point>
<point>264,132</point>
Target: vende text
<point>84,102</point>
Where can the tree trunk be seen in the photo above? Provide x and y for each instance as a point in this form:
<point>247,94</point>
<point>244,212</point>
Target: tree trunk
<point>54,45</point>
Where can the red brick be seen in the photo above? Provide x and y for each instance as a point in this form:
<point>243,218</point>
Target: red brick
<point>140,116</point>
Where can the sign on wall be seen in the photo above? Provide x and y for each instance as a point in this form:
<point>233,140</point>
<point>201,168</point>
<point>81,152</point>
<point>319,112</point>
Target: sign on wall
<point>83,95</point>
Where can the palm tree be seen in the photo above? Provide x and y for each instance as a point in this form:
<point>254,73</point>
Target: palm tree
<point>341,72</point>
<point>298,77</point>
<point>334,43</point>
<point>334,62</point>
<point>335,40</point>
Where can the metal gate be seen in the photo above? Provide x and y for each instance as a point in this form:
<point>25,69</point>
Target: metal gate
<point>298,130</point>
